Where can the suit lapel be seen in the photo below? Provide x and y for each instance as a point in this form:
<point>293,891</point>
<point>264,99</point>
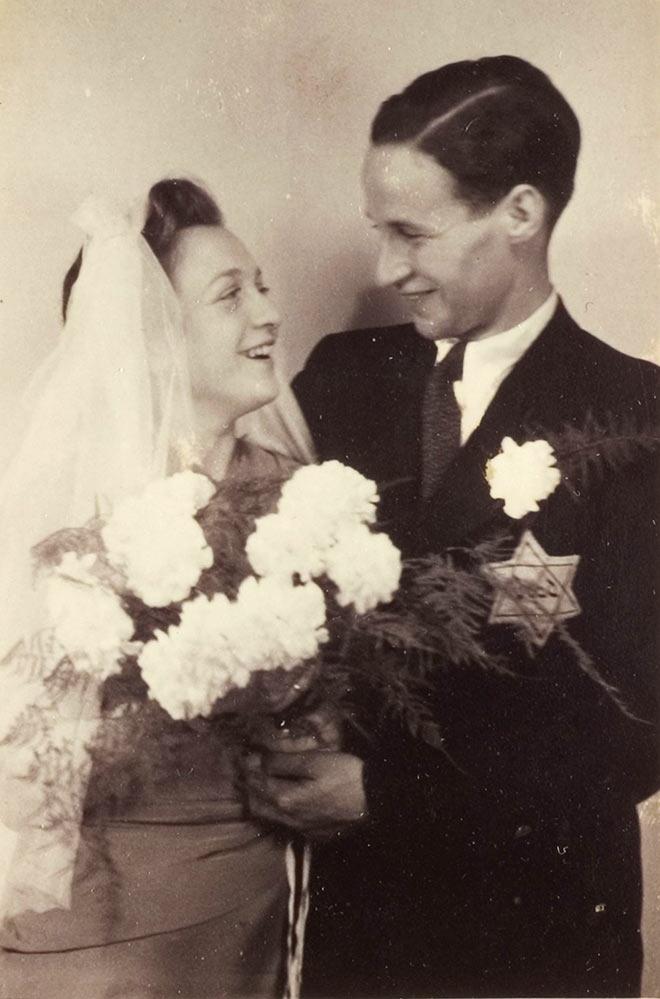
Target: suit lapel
<point>389,433</point>
<point>530,396</point>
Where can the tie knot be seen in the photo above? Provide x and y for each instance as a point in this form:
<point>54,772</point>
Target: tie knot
<point>452,364</point>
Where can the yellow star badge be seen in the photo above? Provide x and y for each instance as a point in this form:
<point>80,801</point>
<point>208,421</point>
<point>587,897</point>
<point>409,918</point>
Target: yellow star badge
<point>534,589</point>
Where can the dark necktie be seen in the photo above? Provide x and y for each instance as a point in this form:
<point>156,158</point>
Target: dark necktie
<point>441,419</point>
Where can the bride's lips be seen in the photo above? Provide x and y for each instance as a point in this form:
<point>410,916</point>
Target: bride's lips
<point>260,351</point>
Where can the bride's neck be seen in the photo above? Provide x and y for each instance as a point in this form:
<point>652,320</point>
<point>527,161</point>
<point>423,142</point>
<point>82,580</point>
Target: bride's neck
<point>215,442</point>
<point>216,460</point>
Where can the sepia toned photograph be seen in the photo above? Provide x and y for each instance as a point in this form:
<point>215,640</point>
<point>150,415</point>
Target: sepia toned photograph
<point>329,499</point>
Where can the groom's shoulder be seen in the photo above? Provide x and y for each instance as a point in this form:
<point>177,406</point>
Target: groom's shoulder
<point>352,349</point>
<point>592,369</point>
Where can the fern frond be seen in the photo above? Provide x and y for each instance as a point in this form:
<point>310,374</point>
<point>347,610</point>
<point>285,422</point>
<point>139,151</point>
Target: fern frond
<point>585,453</point>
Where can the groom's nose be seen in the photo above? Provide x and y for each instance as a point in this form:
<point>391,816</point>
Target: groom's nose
<point>393,261</point>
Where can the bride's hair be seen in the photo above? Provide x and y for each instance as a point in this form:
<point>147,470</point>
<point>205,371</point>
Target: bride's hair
<point>172,205</point>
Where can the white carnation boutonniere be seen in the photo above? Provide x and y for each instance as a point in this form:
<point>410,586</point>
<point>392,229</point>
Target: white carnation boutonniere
<point>522,475</point>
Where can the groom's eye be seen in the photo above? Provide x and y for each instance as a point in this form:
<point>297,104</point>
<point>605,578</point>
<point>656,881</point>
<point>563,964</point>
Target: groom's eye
<point>412,234</point>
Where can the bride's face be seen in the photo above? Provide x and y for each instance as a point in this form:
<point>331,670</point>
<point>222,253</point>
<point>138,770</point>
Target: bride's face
<point>230,324</point>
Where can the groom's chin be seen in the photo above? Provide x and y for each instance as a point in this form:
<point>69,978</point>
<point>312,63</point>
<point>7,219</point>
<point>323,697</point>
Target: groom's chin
<point>429,328</point>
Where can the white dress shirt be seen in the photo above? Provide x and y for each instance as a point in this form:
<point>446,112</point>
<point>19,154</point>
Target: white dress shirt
<point>488,361</point>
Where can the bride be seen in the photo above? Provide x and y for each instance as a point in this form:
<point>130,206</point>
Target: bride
<point>193,899</point>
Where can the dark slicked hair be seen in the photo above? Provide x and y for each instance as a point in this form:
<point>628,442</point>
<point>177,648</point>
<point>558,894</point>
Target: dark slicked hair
<point>492,123</point>
<point>172,205</point>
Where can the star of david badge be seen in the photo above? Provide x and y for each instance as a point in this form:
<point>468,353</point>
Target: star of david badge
<point>534,589</point>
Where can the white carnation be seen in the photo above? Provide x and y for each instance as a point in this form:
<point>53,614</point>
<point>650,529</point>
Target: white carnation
<point>184,668</point>
<point>283,546</point>
<point>522,475</point>
<point>218,644</point>
<point>333,493</point>
<point>278,625</point>
<point>186,491</point>
<point>316,504</point>
<point>366,568</point>
<point>155,541</point>
<point>87,618</point>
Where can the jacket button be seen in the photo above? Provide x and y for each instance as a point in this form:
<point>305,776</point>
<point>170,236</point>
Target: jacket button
<point>523,831</point>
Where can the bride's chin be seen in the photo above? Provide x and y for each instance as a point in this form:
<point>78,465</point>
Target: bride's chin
<point>264,391</point>
<point>268,386</point>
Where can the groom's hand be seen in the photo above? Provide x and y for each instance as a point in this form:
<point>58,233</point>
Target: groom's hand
<point>318,792</point>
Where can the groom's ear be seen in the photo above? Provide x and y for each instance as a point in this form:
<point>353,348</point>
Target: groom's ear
<point>524,212</point>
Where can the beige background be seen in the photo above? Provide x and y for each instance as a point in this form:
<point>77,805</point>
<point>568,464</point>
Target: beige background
<point>270,103</point>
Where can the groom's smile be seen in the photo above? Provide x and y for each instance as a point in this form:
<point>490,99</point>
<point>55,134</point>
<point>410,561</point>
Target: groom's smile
<point>451,263</point>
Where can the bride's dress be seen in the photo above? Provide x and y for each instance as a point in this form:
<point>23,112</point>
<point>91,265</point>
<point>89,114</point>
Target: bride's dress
<point>190,898</point>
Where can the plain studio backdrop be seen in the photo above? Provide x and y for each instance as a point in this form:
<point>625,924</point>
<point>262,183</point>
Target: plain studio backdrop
<point>270,103</point>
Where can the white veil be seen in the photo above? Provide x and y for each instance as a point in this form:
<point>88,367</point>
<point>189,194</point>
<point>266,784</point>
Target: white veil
<point>103,410</point>
<point>109,410</point>
<point>280,426</point>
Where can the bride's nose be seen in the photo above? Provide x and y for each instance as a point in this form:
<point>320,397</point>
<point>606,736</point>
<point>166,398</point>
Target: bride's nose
<point>262,312</point>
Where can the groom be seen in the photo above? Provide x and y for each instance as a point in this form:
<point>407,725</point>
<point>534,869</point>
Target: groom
<point>504,861</point>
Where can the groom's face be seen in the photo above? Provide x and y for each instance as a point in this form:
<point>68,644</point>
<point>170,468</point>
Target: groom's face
<point>452,264</point>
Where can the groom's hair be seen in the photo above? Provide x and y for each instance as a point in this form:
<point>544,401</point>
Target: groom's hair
<point>492,123</point>
<point>172,205</point>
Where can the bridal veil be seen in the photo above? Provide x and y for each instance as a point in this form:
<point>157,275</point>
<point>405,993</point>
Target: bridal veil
<point>108,411</point>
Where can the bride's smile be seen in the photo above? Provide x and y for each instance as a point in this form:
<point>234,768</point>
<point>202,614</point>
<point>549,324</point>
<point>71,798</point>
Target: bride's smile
<point>229,321</point>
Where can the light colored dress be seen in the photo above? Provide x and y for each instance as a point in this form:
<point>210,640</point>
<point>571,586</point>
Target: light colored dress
<point>189,900</point>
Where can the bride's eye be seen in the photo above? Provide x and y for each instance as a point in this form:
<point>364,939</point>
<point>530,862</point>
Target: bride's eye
<point>231,297</point>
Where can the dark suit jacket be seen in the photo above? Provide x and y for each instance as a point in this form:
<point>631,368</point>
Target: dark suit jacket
<point>508,864</point>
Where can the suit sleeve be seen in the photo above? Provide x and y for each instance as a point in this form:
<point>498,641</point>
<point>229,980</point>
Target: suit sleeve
<point>316,391</point>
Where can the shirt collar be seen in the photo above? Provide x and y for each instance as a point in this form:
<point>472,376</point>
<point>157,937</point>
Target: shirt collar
<point>504,349</point>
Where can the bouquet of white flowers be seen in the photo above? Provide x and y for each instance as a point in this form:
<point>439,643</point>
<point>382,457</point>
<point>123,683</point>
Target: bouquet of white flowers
<point>203,606</point>
<point>185,584</point>
<point>173,622</point>
<point>193,609</point>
